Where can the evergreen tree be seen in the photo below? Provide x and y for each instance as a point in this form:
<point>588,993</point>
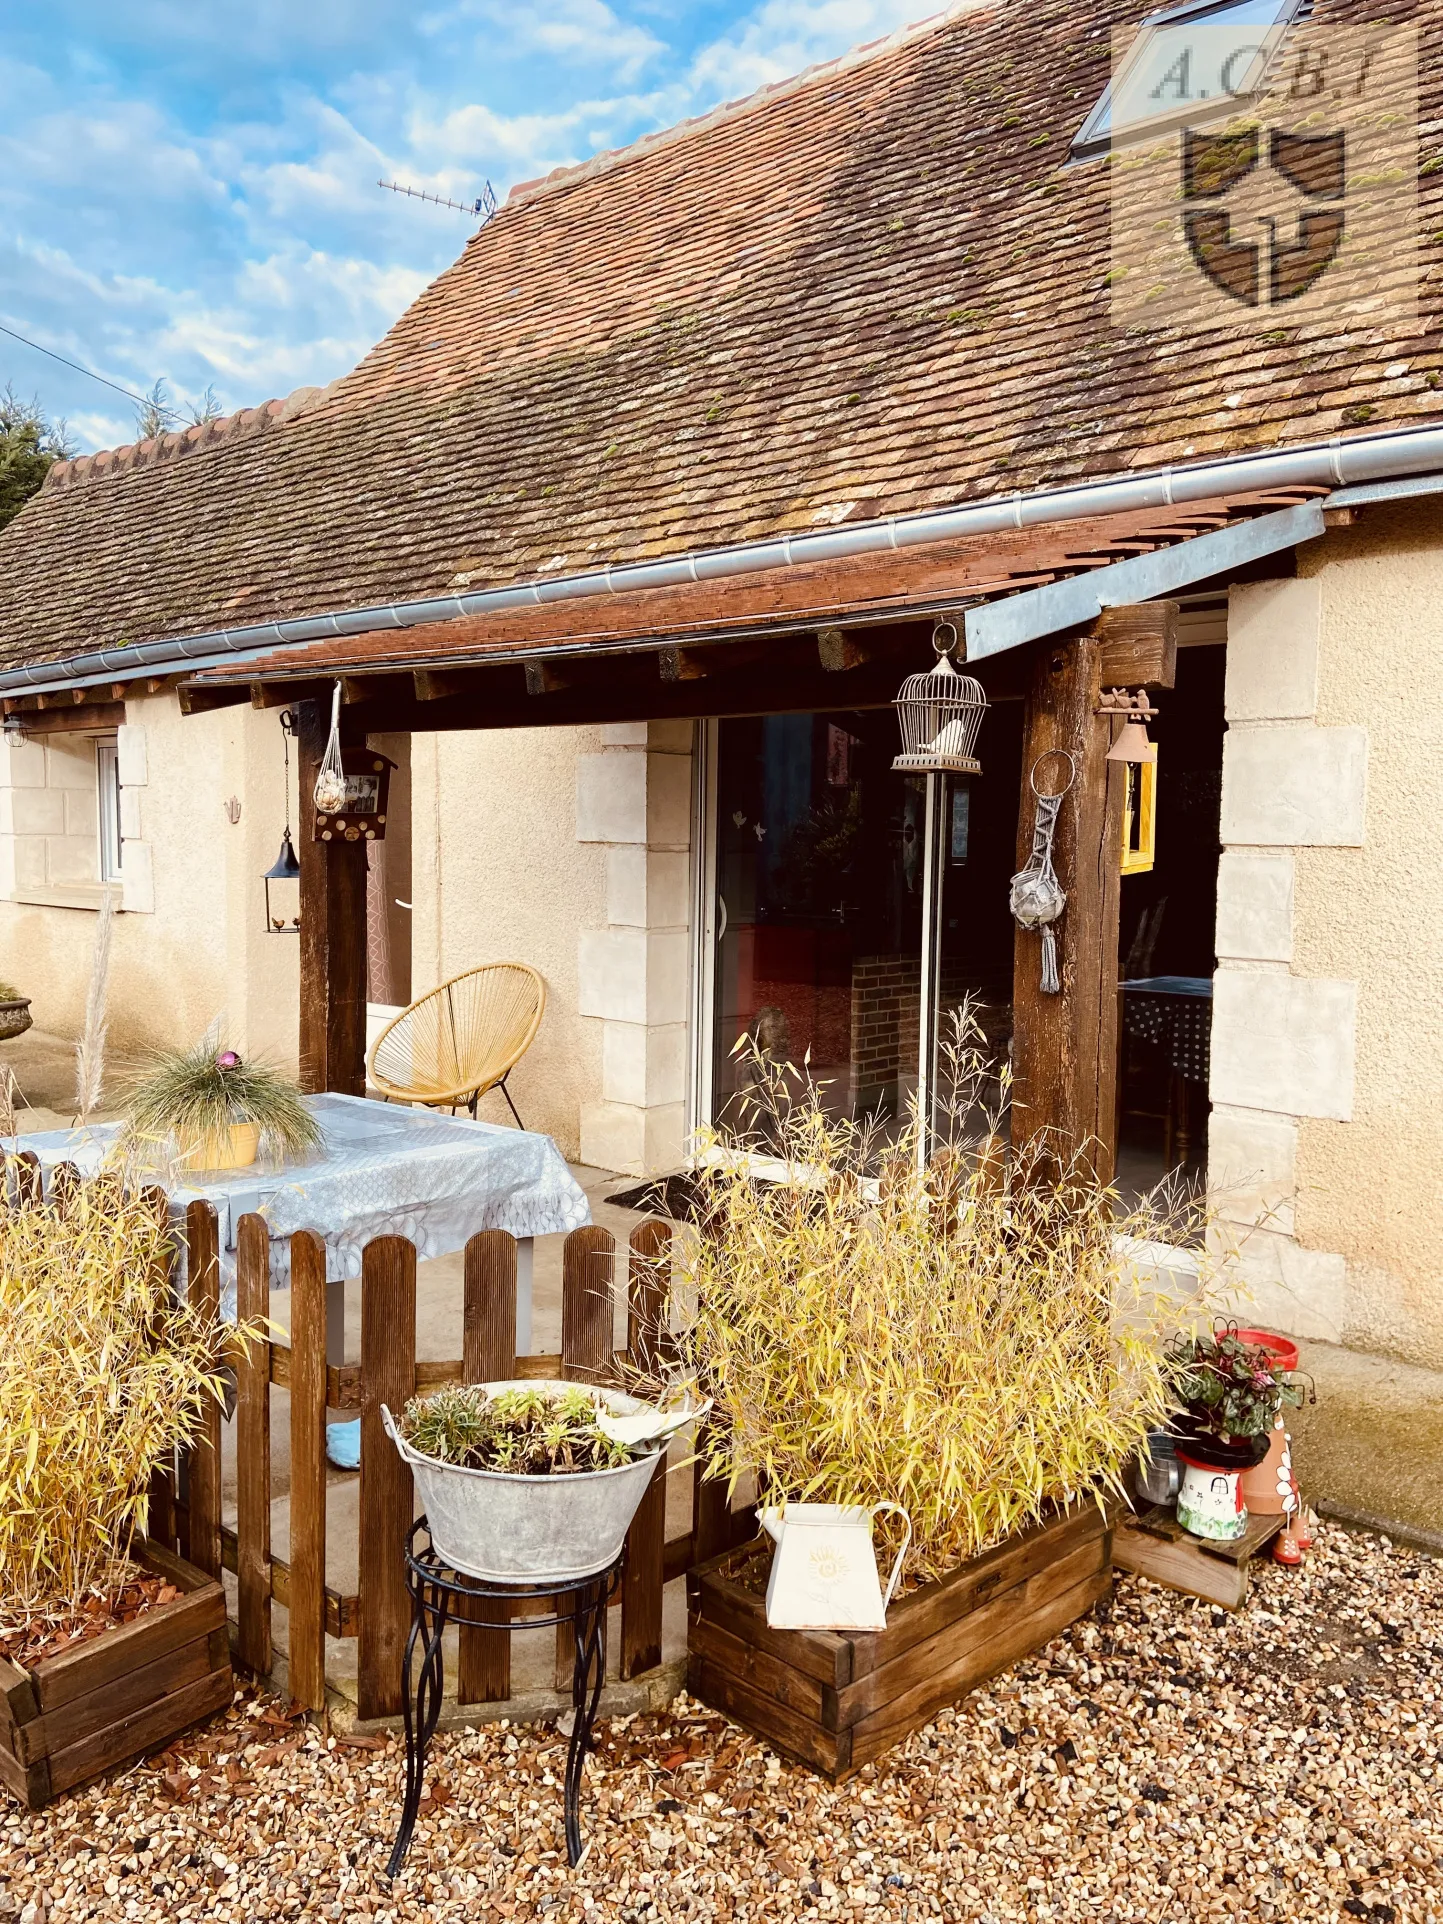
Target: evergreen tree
<point>30,444</point>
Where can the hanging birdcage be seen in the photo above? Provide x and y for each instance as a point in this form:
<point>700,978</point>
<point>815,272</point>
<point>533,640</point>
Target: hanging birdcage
<point>940,714</point>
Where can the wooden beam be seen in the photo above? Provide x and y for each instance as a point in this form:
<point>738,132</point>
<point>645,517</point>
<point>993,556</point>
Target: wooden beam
<point>92,718</point>
<point>838,650</point>
<point>688,664</point>
<point>620,688</point>
<point>277,694</point>
<point>433,686</point>
<point>1065,1045</point>
<point>200,701</point>
<point>333,933</point>
<point>544,679</point>
<point>684,663</point>
<point>1139,644</point>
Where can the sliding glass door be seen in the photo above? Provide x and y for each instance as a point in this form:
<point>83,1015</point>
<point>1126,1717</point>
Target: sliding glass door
<point>843,911</point>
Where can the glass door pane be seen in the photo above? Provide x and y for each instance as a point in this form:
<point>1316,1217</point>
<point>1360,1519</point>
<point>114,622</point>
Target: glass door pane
<point>819,876</point>
<point>977,857</point>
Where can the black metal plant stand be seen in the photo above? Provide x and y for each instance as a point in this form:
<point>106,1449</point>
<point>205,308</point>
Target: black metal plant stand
<point>441,1595</point>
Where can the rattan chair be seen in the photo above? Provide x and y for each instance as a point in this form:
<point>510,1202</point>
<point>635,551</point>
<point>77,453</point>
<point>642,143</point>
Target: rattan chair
<point>462,1039</point>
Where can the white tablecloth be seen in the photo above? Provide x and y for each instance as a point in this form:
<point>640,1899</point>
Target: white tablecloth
<point>384,1170</point>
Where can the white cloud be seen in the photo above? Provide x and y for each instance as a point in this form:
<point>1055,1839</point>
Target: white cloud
<point>582,32</point>
<point>194,193</point>
<point>781,37</point>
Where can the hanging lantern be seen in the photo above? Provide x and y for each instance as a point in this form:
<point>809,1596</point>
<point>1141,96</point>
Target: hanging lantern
<point>283,910</point>
<point>1139,817</point>
<point>940,714</point>
<point>283,878</point>
<point>1138,756</point>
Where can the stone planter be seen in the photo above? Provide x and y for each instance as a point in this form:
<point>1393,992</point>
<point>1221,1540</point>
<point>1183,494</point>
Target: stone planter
<point>118,1695</point>
<point>838,1699</point>
<point>15,1017</point>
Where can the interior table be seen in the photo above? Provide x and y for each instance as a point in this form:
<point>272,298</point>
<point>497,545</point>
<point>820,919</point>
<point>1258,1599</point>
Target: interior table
<point>1174,1013</point>
<point>382,1170</point>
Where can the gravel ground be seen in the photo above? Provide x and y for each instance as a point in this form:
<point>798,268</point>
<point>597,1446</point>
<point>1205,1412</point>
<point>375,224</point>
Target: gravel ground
<point>1160,1761</point>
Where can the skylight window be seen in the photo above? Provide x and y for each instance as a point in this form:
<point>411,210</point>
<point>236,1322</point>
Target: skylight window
<point>1188,64</point>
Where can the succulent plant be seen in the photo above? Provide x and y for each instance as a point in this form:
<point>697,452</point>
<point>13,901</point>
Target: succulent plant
<point>529,1432</point>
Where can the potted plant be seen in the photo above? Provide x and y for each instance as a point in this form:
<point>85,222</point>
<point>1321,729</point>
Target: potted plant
<point>878,1329</point>
<point>530,1482</point>
<point>1230,1393</point>
<point>15,1016</point>
<point>214,1111</point>
<point>108,1645</point>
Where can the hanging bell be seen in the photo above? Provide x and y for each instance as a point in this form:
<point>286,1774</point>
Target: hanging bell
<point>1132,745</point>
<point>940,715</point>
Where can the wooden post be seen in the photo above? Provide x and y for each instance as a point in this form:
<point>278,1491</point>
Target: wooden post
<point>388,1375</point>
<point>202,1288</point>
<point>253,1449</point>
<point>308,1470</point>
<point>488,1355</point>
<point>587,1267</point>
<point>1065,1045</point>
<point>643,1576</point>
<point>333,934</point>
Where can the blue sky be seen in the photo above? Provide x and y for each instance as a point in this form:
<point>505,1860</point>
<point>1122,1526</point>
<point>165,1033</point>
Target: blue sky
<point>188,187</point>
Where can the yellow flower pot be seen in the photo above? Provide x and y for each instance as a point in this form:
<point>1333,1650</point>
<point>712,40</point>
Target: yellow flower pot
<point>232,1148</point>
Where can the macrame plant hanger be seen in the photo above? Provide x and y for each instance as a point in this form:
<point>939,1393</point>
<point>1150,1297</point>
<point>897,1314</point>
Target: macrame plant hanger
<point>1037,898</point>
<point>331,781</point>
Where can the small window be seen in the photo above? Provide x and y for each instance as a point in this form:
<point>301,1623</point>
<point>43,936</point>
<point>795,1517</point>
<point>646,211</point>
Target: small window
<point>1187,64</point>
<point>107,775</point>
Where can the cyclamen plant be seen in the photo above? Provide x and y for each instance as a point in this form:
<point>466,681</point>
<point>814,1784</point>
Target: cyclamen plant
<point>1228,1388</point>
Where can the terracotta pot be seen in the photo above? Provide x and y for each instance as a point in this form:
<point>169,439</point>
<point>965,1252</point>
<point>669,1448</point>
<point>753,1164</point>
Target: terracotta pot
<point>232,1148</point>
<point>1282,1349</point>
<point>1268,1489</point>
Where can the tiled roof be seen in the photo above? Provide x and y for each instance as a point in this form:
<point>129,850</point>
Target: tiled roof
<point>869,291</point>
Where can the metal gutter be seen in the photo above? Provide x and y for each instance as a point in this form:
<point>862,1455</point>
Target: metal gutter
<point>1335,463</point>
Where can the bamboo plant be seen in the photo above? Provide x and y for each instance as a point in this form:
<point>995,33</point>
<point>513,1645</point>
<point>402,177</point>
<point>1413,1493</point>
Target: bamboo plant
<point>874,1326</point>
<point>103,1373</point>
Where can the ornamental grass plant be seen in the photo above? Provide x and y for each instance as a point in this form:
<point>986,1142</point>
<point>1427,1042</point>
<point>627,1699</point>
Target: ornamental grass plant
<point>102,1374</point>
<point>982,1348</point>
<point>193,1096</point>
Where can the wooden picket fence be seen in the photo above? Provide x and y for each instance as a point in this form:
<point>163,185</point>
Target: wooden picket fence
<point>185,1505</point>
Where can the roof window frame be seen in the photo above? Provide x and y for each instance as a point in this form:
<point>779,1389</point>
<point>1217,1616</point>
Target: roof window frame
<point>1096,136</point>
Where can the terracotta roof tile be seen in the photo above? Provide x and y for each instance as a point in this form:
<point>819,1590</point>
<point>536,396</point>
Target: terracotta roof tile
<point>873,289</point>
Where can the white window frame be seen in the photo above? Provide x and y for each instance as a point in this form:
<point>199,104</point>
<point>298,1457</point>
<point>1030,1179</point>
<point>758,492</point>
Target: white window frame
<point>107,790</point>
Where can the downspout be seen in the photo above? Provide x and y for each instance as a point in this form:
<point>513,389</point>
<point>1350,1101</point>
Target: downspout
<point>1333,464</point>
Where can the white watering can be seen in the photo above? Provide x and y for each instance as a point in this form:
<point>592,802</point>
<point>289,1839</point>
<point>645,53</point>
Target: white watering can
<point>824,1569</point>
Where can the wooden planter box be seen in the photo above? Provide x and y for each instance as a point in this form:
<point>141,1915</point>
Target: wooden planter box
<point>119,1694</point>
<point>837,1699</point>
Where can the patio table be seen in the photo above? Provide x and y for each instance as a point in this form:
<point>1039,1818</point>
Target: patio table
<point>382,1170</point>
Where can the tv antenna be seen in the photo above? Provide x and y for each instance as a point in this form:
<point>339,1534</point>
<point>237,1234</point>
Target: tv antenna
<point>484,203</point>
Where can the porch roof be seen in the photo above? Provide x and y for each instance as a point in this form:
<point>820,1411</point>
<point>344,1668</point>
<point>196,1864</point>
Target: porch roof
<point>852,612</point>
<point>866,292</point>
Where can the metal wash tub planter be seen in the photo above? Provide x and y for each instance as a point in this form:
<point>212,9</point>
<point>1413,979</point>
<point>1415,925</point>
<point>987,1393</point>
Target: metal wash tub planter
<point>506,1528</point>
